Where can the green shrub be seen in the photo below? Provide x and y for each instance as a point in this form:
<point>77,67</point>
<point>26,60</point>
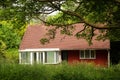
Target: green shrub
<point>12,55</point>
<point>64,71</point>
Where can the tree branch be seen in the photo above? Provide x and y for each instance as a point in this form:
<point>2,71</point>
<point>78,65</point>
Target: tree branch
<point>103,26</point>
<point>54,24</point>
<point>42,20</point>
<point>77,7</point>
<point>43,12</point>
<point>81,30</point>
<point>92,33</point>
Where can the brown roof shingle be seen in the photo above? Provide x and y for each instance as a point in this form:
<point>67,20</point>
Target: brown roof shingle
<point>31,40</point>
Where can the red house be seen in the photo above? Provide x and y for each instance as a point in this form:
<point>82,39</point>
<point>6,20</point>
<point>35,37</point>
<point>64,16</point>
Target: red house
<point>61,48</point>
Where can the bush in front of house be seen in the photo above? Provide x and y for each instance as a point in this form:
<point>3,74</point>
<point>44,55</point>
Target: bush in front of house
<point>65,71</point>
<point>12,55</point>
<point>22,72</point>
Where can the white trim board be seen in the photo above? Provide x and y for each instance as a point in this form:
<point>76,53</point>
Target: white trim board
<point>41,49</point>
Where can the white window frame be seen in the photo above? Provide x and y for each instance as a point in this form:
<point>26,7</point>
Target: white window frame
<point>90,57</point>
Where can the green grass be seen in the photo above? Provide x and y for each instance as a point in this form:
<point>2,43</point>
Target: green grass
<point>64,71</point>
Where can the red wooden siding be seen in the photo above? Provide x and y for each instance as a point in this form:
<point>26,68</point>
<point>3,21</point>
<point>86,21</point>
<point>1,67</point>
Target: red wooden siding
<point>101,57</point>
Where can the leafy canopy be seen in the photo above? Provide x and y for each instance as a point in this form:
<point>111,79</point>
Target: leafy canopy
<point>96,14</point>
<point>10,36</point>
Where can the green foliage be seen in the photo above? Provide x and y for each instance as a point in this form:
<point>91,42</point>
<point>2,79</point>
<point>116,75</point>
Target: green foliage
<point>61,19</point>
<point>64,71</point>
<point>114,35</point>
<point>12,55</point>
<point>10,35</point>
<point>23,72</point>
<point>44,40</point>
<point>87,34</point>
<point>92,12</point>
<point>2,49</point>
<point>20,12</point>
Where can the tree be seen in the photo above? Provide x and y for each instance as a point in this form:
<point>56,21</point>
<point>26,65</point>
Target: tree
<point>96,14</point>
<point>9,36</point>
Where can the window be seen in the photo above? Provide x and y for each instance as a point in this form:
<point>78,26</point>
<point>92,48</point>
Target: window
<point>40,57</point>
<point>37,57</point>
<point>51,57</point>
<point>87,54</point>
<point>25,57</point>
<point>48,57</point>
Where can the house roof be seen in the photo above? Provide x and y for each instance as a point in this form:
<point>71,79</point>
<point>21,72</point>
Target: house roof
<point>33,34</point>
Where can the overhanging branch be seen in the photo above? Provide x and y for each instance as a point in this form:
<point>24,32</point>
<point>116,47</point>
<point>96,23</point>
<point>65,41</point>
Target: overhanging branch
<point>96,26</point>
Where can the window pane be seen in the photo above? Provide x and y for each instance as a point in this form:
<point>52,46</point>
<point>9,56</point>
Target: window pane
<point>92,54</point>
<point>25,57</point>
<point>28,57</point>
<point>87,54</point>
<point>40,57</point>
<point>81,54</point>
<point>49,57</point>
